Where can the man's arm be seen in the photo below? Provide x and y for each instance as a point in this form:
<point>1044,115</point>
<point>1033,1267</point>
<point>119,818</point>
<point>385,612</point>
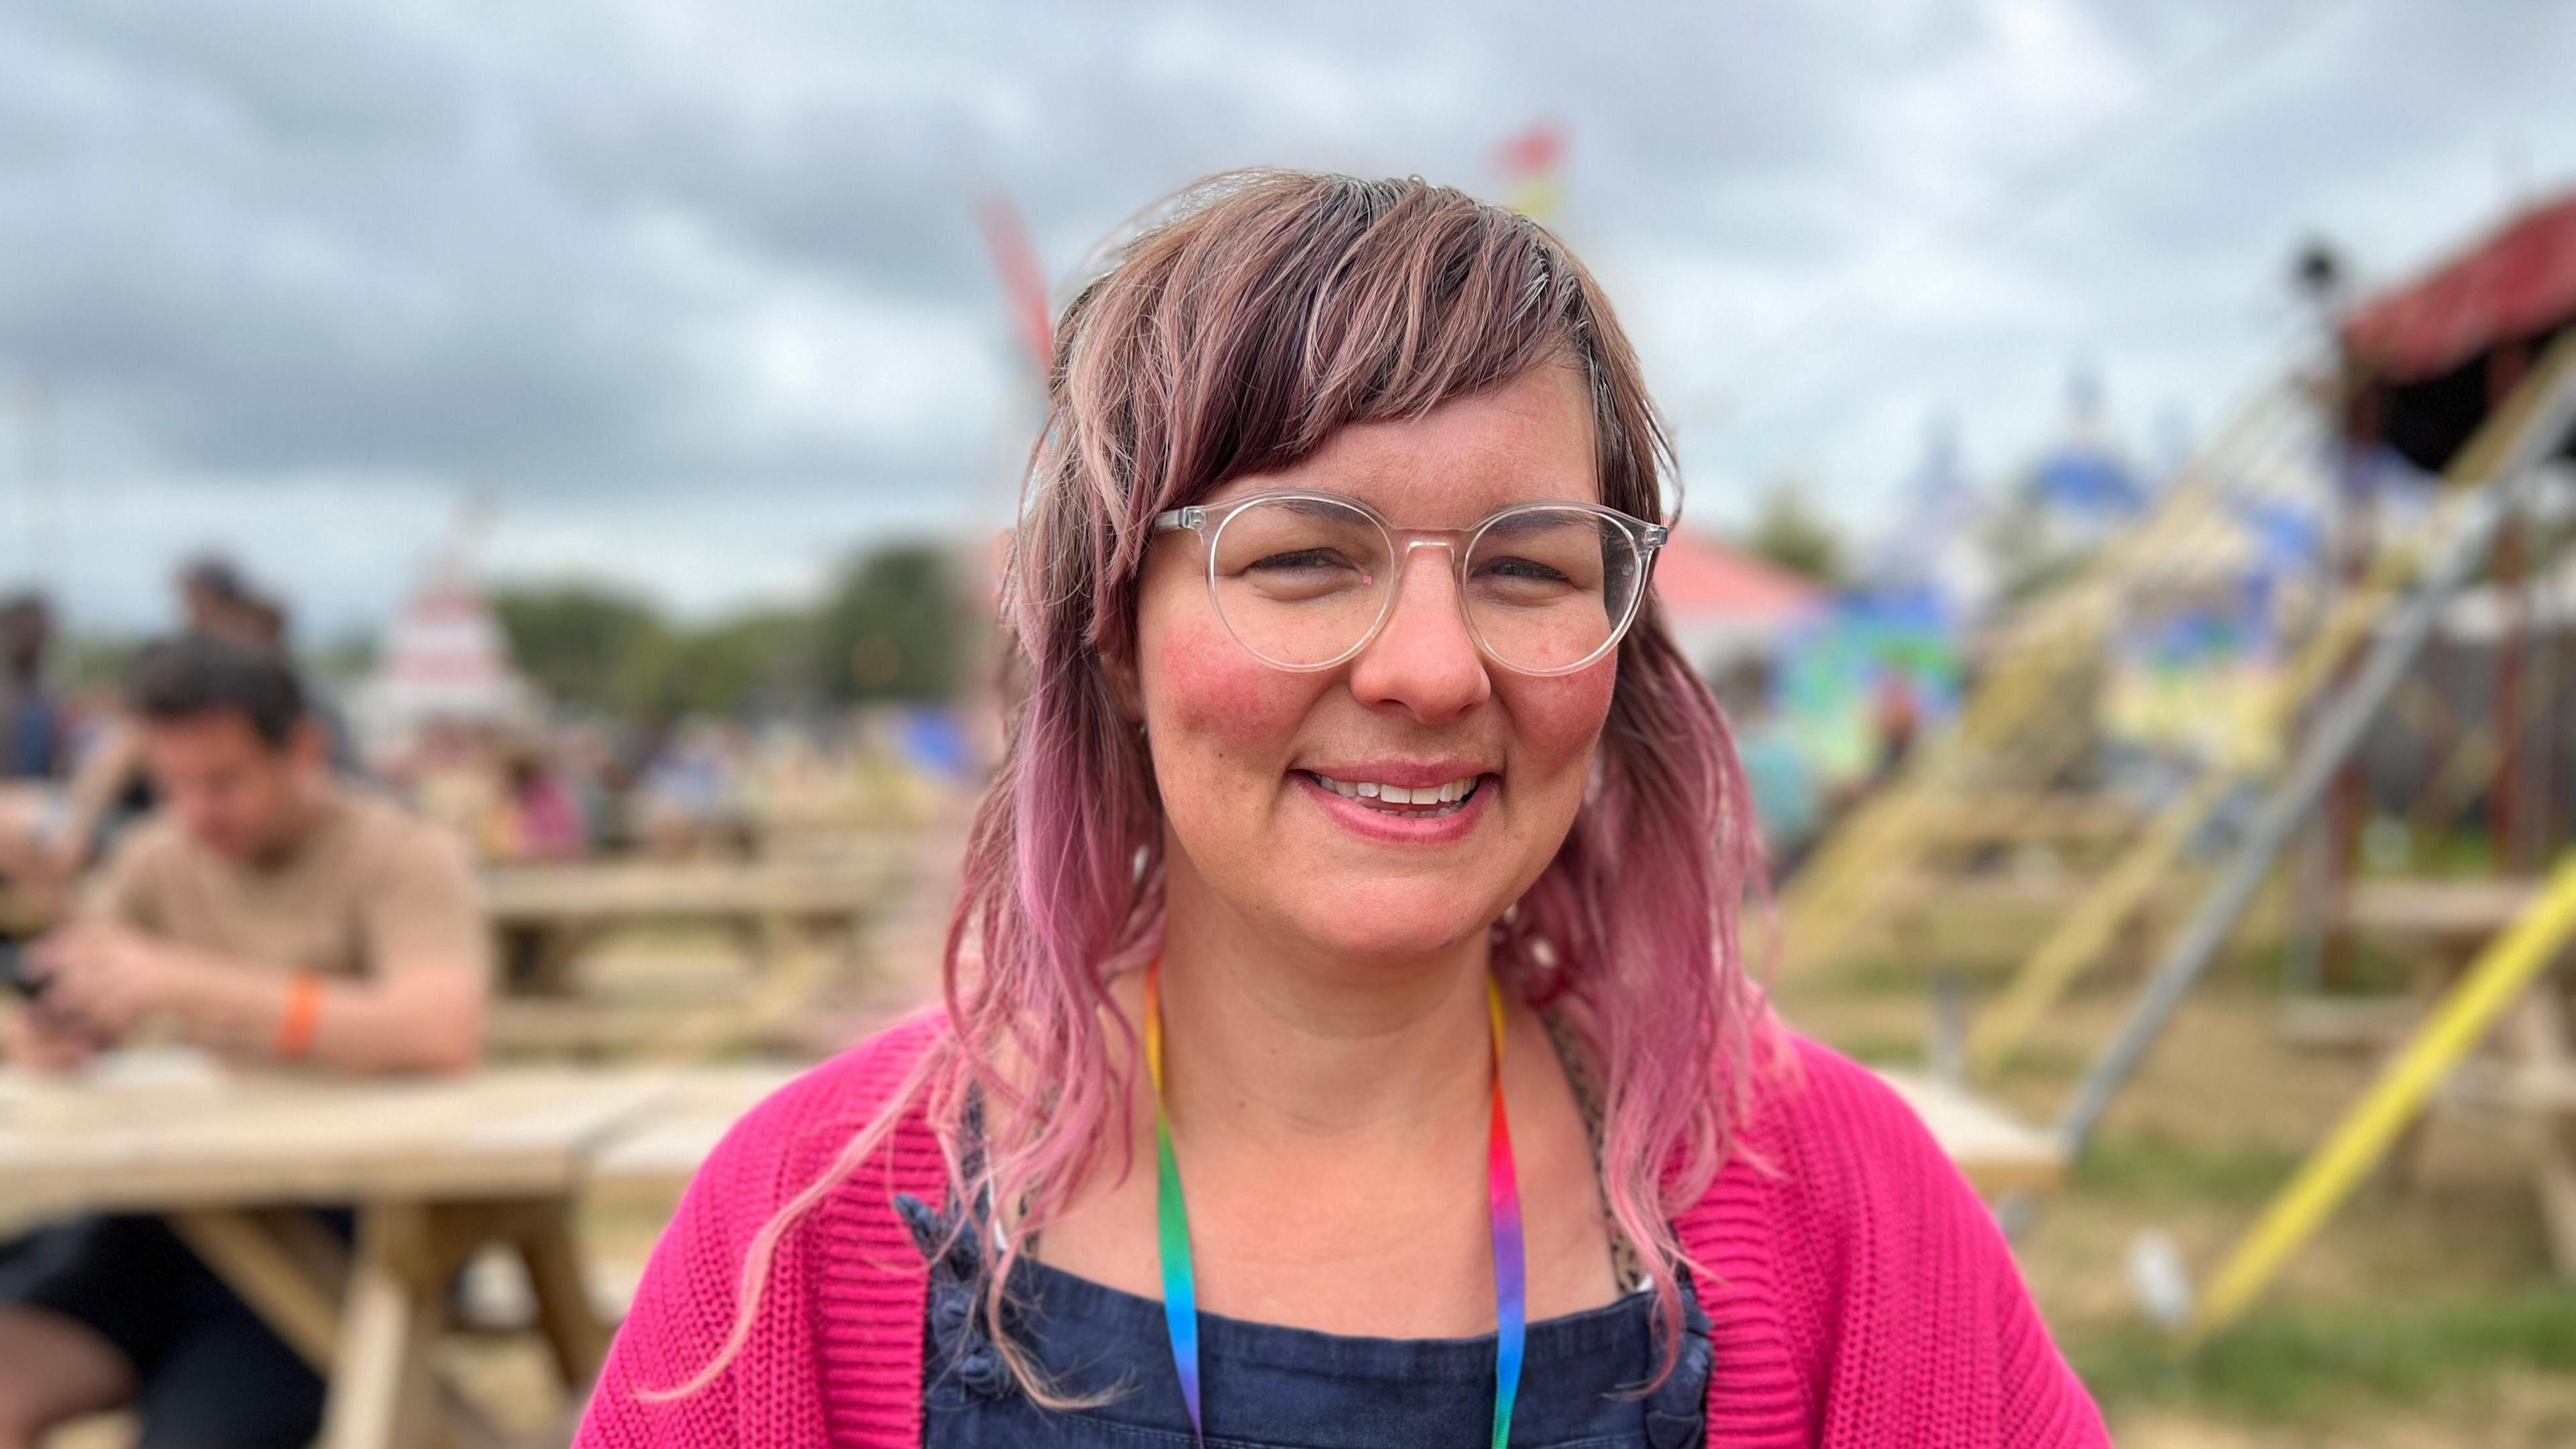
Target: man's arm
<point>423,1016</point>
<point>421,1009</point>
<point>41,1041</point>
<point>420,1016</point>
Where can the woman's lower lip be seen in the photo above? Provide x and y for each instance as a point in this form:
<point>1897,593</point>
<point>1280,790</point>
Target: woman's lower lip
<point>1394,828</point>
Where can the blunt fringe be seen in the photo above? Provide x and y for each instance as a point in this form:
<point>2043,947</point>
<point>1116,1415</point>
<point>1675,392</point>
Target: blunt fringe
<point>1256,314</point>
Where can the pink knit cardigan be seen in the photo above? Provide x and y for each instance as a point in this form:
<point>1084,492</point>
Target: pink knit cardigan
<point>1859,1294</point>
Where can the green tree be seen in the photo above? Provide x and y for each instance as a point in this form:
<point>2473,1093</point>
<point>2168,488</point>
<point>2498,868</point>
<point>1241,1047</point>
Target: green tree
<point>892,627</point>
<point>586,645</point>
<point>1792,533</point>
<point>344,660</point>
<point>732,666</point>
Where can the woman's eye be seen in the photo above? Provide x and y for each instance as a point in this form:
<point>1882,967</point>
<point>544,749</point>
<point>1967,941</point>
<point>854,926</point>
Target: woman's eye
<point>1304,558</point>
<point>1525,569</point>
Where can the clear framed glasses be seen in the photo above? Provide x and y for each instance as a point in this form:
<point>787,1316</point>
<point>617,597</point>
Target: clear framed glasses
<point>1306,580</point>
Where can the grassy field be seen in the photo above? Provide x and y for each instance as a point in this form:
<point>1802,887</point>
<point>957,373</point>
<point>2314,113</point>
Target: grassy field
<point>2424,1315</point>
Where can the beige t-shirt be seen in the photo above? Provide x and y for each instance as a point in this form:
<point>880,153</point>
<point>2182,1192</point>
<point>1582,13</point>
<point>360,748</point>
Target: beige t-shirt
<point>371,890</point>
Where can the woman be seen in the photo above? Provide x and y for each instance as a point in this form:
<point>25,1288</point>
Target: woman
<point>1345,1038</point>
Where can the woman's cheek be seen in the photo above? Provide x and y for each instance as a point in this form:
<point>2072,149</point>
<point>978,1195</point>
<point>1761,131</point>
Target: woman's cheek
<point>1216,703</point>
<point>1556,716</point>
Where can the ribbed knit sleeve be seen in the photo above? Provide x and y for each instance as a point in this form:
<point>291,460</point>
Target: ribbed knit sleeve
<point>796,1379</point>
<point>2044,1403</point>
<point>1869,1291</point>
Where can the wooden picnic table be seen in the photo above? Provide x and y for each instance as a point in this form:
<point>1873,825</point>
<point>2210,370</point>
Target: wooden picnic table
<point>2438,921</point>
<point>594,893</point>
<point>434,1168</point>
<point>2471,909</point>
<point>791,919</point>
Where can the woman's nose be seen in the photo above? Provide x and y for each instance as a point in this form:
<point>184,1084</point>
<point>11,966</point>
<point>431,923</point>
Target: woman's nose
<point>1424,661</point>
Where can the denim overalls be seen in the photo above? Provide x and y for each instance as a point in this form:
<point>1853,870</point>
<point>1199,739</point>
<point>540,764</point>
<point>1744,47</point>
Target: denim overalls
<point>1268,1387</point>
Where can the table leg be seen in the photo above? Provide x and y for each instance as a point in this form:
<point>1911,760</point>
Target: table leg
<point>537,958</point>
<point>283,1263</point>
<point>572,1330</point>
<point>382,1396</point>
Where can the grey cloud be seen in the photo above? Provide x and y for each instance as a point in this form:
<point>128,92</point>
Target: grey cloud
<point>623,258</point>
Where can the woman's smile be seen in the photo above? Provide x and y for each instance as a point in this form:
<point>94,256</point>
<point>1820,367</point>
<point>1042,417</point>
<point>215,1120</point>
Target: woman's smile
<point>1399,804</point>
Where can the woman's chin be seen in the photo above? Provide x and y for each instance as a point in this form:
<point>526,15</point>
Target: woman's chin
<point>1384,923</point>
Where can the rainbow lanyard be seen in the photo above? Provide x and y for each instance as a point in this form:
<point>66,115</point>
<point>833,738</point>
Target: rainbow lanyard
<point>1172,1223</point>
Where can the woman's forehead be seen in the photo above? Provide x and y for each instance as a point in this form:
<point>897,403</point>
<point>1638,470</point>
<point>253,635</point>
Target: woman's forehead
<point>1528,440</point>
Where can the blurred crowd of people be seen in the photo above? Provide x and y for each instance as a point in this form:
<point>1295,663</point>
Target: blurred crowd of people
<point>1794,802</point>
<point>72,774</point>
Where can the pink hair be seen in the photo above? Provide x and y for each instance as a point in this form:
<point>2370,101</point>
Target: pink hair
<point>1265,311</point>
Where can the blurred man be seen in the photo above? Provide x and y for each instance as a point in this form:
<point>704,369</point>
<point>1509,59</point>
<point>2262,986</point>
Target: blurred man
<point>30,741</point>
<point>216,601</point>
<point>266,912</point>
<point>31,736</point>
<point>111,787</point>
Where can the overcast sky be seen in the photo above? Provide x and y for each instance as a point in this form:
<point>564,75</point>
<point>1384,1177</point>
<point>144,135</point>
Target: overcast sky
<point>694,294</point>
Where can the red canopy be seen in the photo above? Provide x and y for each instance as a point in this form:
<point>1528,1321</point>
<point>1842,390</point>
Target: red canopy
<point>1701,580</point>
<point>2519,283</point>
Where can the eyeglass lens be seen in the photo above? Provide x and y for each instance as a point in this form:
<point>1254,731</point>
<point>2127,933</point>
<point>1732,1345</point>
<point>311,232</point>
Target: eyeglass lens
<point>1302,581</point>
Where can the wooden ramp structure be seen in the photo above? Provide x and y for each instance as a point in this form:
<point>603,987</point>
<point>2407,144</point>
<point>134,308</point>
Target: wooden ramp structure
<point>2011,763</point>
<point>2497,477</point>
<point>1994,773</point>
<point>2518,440</point>
<point>2471,370</point>
<point>2501,458</point>
<point>2219,834</point>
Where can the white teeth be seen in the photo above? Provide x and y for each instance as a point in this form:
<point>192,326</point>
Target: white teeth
<point>1444,794</point>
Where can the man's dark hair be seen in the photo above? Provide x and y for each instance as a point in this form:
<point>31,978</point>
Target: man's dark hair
<point>191,676</point>
<point>216,577</point>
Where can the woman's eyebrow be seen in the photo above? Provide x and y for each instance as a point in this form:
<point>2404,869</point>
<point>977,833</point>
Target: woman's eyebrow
<point>1520,523</point>
<point>1335,507</point>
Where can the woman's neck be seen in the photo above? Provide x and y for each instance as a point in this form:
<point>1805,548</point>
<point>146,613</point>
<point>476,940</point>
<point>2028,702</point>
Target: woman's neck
<point>1284,1038</point>
<point>1331,1113</point>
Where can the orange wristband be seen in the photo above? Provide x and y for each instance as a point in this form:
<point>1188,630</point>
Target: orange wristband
<point>303,1012</point>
